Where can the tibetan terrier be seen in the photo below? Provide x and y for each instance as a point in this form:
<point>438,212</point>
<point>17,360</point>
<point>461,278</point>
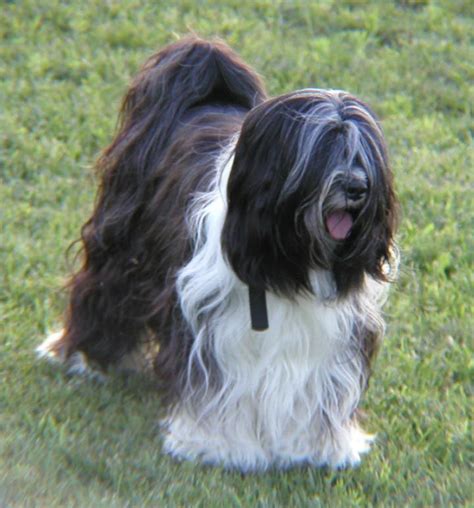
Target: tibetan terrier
<point>240,249</point>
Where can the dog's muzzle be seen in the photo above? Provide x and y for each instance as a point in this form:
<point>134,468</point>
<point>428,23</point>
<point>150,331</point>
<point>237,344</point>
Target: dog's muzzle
<point>347,201</point>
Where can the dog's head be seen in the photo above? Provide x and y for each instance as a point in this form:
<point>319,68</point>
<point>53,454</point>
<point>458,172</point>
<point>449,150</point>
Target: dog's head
<point>310,188</point>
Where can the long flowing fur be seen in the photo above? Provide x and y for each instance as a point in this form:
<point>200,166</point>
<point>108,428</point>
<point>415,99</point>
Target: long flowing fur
<point>284,396</point>
<point>184,105</point>
<point>209,187</point>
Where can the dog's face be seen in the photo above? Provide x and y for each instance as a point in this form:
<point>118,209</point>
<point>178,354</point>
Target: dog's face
<point>310,188</point>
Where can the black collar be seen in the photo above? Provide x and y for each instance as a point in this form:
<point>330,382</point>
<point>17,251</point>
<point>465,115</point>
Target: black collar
<point>258,309</point>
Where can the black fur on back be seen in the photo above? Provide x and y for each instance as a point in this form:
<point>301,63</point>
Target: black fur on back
<point>185,104</point>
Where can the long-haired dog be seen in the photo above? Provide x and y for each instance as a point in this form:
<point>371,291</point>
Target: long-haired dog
<point>240,248</point>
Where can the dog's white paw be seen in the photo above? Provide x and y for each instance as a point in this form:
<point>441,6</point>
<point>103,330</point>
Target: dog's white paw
<point>52,350</point>
<point>353,447</point>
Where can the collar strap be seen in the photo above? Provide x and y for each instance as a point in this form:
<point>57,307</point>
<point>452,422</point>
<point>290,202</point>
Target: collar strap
<point>258,309</point>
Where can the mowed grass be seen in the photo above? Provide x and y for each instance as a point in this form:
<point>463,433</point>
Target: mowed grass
<point>64,67</point>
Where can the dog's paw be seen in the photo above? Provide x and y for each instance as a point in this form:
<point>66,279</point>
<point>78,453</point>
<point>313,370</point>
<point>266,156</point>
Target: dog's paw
<point>53,350</point>
<point>351,450</point>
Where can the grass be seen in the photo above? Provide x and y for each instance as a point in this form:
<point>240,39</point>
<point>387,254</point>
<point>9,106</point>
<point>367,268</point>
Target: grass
<point>69,442</point>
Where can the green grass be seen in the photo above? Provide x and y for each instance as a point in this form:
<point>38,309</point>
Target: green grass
<point>64,66</point>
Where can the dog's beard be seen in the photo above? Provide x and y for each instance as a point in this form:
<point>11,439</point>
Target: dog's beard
<point>344,227</point>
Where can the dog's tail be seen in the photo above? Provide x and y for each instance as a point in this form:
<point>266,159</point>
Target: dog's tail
<point>177,80</point>
<point>191,72</point>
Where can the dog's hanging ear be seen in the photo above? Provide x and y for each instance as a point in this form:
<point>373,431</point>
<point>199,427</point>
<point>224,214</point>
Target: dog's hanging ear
<point>259,238</point>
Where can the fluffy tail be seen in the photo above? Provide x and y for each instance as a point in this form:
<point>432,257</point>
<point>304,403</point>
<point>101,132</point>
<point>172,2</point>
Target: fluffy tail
<point>110,302</point>
<point>189,73</point>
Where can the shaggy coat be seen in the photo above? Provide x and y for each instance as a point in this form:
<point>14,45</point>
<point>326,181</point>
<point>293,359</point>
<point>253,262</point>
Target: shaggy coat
<point>212,191</point>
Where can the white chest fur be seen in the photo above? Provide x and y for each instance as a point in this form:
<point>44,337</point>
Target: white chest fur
<point>284,395</point>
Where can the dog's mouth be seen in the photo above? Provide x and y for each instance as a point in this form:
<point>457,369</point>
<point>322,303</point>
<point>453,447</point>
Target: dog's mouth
<point>339,224</point>
<point>346,204</point>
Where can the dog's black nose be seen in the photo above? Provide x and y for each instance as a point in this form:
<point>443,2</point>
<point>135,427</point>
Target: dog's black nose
<point>356,189</point>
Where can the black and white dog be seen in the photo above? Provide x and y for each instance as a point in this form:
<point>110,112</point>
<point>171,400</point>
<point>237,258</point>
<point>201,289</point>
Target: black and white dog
<point>240,249</point>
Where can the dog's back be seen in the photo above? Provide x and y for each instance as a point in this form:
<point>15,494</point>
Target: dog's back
<point>184,105</point>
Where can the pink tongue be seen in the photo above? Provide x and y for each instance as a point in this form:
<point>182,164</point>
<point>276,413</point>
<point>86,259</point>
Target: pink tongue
<point>339,225</point>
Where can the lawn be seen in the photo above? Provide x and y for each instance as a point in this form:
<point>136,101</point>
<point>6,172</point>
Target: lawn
<point>64,66</point>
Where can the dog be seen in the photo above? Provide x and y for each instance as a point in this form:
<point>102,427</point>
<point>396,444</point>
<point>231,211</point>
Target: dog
<point>240,250</point>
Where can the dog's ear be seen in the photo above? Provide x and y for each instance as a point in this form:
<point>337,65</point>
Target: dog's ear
<point>385,259</point>
<point>259,237</point>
